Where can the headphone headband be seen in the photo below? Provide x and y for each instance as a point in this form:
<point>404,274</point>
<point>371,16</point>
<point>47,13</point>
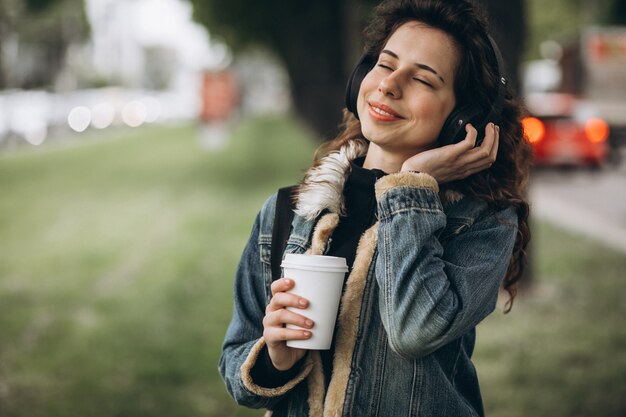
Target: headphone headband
<point>498,104</point>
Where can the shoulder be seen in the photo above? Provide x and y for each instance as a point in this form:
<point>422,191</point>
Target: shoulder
<point>473,210</point>
<point>266,214</point>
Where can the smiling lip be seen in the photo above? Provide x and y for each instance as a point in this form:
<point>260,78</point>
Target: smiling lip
<point>382,113</point>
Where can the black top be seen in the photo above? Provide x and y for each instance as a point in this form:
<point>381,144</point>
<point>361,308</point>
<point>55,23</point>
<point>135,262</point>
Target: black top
<point>360,203</point>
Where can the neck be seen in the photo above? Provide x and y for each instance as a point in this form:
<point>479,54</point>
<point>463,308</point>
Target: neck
<point>388,162</point>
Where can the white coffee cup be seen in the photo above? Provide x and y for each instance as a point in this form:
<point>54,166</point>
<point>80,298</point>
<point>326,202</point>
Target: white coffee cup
<point>319,279</point>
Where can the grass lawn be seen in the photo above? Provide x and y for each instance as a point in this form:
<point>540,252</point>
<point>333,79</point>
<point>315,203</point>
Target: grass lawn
<point>116,264</point>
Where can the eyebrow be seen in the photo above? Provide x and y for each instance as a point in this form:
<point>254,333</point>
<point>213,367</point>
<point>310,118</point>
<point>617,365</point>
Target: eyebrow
<point>417,64</point>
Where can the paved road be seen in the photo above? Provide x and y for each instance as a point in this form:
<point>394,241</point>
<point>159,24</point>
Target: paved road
<point>584,201</point>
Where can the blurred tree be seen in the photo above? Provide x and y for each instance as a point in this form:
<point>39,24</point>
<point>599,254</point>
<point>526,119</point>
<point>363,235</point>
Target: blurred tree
<point>319,42</point>
<point>35,6</point>
<point>35,36</point>
<point>616,13</point>
<point>508,25</point>
<point>563,20</point>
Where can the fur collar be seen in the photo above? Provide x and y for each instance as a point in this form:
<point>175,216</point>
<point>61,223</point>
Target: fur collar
<point>322,187</point>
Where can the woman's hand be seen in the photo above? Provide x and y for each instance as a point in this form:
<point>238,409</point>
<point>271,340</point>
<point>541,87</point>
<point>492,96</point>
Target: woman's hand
<point>460,160</point>
<point>276,316</point>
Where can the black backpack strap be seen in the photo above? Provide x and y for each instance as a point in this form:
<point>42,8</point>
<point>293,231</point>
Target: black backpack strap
<point>283,216</point>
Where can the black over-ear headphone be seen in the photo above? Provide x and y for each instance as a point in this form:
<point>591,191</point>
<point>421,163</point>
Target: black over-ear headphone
<point>453,130</point>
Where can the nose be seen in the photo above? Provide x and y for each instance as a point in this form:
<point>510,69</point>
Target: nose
<point>390,86</point>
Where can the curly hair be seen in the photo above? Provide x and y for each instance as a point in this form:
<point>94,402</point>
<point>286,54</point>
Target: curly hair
<point>476,80</point>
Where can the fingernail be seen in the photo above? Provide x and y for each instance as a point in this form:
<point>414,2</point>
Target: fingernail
<point>302,302</point>
<point>309,323</point>
<point>307,334</point>
<point>287,281</point>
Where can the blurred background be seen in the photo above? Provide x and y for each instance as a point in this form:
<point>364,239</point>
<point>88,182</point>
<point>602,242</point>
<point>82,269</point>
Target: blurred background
<point>138,139</point>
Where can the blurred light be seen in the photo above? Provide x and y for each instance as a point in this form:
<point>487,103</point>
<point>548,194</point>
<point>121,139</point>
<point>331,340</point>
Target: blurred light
<point>134,113</point>
<point>36,133</point>
<point>597,130</point>
<point>542,76</point>
<point>153,109</point>
<point>102,115</point>
<point>220,57</point>
<point>533,129</point>
<point>551,50</point>
<point>79,118</point>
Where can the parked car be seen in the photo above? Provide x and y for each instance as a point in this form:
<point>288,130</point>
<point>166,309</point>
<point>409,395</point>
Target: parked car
<point>564,133</point>
<point>576,98</point>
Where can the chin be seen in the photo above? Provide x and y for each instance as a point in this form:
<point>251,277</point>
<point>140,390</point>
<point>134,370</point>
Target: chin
<point>366,129</point>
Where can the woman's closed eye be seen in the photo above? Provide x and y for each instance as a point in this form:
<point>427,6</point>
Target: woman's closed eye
<point>423,81</point>
<point>385,66</point>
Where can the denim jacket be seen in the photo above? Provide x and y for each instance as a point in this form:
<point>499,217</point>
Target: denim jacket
<point>424,276</point>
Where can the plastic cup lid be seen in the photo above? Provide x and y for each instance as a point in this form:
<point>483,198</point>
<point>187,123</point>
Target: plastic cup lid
<point>315,262</point>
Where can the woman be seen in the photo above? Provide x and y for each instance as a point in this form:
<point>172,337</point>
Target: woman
<point>430,232</point>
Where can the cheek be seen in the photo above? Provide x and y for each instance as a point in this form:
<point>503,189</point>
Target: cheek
<point>437,111</point>
<point>367,85</point>
<point>427,110</point>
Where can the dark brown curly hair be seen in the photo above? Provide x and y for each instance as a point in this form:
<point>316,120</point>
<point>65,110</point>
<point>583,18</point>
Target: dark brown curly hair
<point>476,80</point>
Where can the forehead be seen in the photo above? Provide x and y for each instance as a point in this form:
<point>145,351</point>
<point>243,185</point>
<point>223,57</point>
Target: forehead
<point>423,44</point>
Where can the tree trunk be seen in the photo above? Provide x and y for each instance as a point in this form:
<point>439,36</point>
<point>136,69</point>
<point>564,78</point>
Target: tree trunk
<point>508,26</point>
<point>315,63</point>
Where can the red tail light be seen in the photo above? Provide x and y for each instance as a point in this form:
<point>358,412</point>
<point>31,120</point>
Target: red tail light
<point>534,129</point>
<point>596,130</point>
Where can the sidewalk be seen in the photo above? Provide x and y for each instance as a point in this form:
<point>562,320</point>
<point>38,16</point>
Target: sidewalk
<point>591,204</point>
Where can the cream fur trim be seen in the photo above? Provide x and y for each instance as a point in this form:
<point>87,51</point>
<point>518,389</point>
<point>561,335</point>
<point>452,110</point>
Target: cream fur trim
<point>322,188</point>
<point>323,230</point>
<point>451,196</point>
<point>248,364</point>
<point>405,179</point>
<point>316,386</point>
<point>348,323</point>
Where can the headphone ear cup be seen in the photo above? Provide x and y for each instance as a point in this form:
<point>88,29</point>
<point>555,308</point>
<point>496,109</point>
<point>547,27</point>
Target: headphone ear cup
<point>366,63</point>
<point>453,130</point>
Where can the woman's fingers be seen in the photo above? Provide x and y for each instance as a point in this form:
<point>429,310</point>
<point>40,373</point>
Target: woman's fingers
<point>487,150</point>
<point>281,298</point>
<point>277,316</point>
<point>284,316</point>
<point>281,285</point>
<point>494,148</point>
<point>480,157</point>
<point>468,143</point>
<point>274,329</point>
<point>273,335</point>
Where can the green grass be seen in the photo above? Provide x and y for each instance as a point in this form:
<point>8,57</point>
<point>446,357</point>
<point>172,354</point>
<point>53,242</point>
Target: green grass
<point>562,349</point>
<point>116,263</point>
<point>116,266</point>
